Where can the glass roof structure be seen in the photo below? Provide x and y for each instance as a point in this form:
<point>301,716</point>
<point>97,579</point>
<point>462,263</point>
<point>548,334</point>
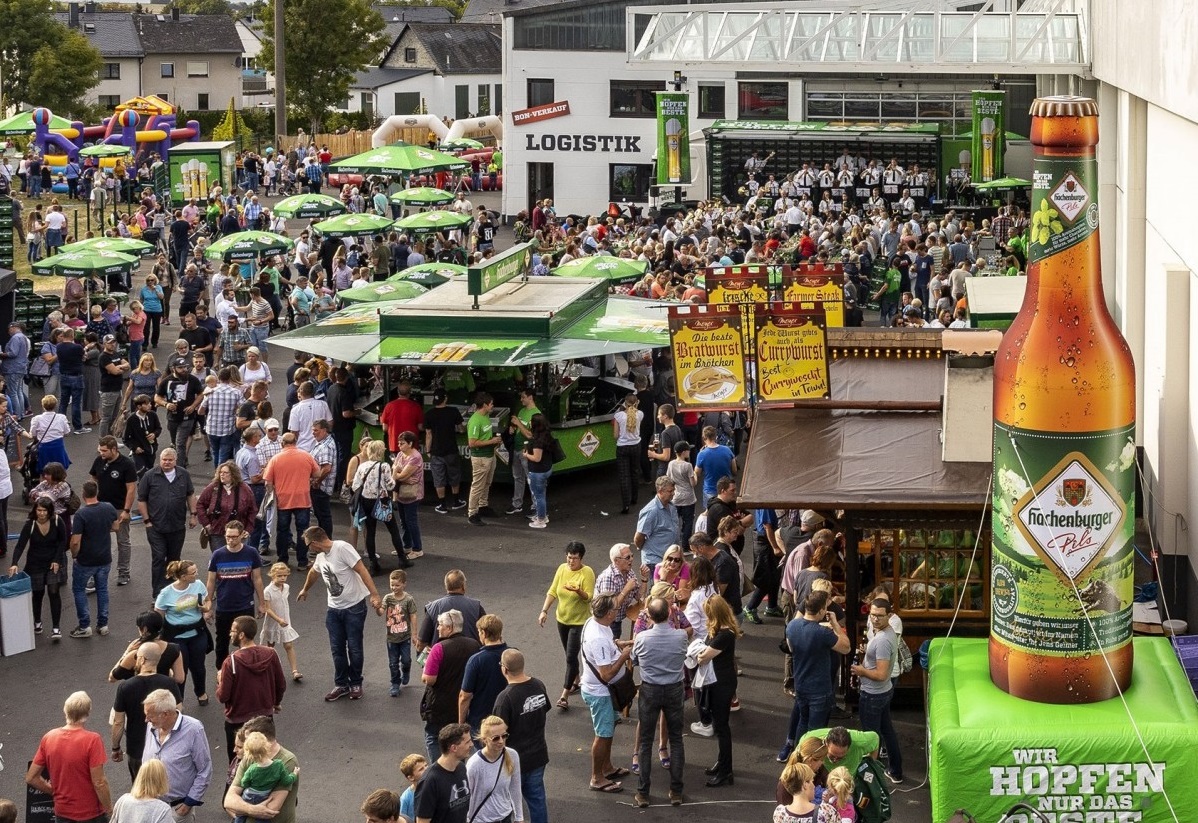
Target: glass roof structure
<point>911,36</point>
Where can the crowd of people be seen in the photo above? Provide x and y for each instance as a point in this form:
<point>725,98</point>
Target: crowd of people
<point>671,603</point>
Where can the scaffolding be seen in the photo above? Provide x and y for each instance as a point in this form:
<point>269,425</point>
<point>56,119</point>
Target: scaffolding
<point>912,36</point>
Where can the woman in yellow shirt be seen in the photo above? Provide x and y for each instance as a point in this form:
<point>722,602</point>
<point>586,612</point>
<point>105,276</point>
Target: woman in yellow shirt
<point>573,587</point>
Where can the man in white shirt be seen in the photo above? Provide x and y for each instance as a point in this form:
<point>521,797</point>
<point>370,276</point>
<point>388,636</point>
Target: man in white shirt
<point>349,586</point>
<point>603,663</point>
<point>306,412</point>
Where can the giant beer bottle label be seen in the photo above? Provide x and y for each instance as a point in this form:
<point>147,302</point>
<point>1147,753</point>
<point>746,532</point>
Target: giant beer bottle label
<point>1065,534</point>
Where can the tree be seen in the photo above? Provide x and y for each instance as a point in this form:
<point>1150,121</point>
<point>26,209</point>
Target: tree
<point>205,6</point>
<point>326,44</point>
<point>25,26</point>
<point>62,73</point>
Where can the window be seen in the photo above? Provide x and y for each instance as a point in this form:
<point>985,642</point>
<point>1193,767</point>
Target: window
<point>108,101</point>
<point>110,71</point>
<point>484,99</point>
<point>598,27</point>
<point>409,54</point>
<point>929,569</point>
<point>168,69</point>
<point>629,181</point>
<point>540,91</point>
<point>202,102</point>
<point>762,101</point>
<point>498,98</point>
<point>367,104</point>
<point>165,96</point>
<point>407,102</point>
<point>197,68</point>
<point>461,102</point>
<point>711,102</point>
<point>635,98</point>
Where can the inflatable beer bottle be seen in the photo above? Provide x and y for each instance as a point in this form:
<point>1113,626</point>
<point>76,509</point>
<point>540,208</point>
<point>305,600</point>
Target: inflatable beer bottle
<point>1064,454</point>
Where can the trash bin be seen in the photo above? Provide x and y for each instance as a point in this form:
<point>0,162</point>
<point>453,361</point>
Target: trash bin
<point>16,614</point>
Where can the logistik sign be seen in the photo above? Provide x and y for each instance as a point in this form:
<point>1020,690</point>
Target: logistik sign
<point>618,143</point>
<point>1065,792</point>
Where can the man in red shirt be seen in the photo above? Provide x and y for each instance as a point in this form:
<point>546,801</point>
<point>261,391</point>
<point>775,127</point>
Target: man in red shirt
<point>290,473</point>
<point>403,414</point>
<point>74,758</point>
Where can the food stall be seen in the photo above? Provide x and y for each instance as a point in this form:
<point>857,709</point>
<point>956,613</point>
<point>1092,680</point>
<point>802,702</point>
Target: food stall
<point>563,337</point>
<point>873,453</point>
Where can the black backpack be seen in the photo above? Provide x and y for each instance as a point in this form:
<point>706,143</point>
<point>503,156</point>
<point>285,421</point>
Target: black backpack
<point>870,794</point>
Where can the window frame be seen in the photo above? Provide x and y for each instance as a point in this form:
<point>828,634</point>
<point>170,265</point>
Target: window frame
<point>744,87</point>
<point>712,113</point>
<point>409,54</point>
<point>203,101</point>
<point>532,99</point>
<point>639,170</point>
<point>111,71</point>
<point>644,98</point>
<point>206,71</point>
<point>166,70</point>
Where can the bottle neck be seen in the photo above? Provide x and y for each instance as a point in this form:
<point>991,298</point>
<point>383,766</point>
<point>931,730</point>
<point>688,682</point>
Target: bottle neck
<point>1063,247</point>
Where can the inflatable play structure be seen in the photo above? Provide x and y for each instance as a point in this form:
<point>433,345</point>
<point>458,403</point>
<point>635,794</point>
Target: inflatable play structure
<point>142,125</point>
<point>401,127</point>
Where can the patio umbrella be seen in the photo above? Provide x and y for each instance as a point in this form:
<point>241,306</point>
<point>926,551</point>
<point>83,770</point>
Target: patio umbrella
<point>381,292</point>
<point>459,143</point>
<point>22,123</point>
<point>125,245</point>
<point>104,150</point>
<point>353,225</point>
<point>307,206</point>
<point>428,274</point>
<point>248,245</point>
<point>422,196</point>
<point>1004,183</point>
<point>398,160</point>
<point>86,263</point>
<point>615,270</point>
<point>434,221</point>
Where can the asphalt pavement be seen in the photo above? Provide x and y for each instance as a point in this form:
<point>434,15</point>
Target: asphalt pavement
<point>349,748</point>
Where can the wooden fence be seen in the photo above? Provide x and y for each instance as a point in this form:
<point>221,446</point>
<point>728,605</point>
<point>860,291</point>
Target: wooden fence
<point>352,142</point>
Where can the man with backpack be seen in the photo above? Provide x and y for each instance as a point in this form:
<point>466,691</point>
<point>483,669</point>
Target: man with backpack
<point>877,689</point>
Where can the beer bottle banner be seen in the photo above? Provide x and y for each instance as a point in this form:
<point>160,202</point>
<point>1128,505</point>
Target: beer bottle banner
<point>1064,205</point>
<point>1072,527</point>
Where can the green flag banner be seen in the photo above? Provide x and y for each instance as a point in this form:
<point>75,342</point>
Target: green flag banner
<point>673,139</point>
<point>989,133</point>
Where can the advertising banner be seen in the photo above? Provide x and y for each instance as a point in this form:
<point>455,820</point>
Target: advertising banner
<point>792,354</point>
<point>989,133</point>
<point>818,286</point>
<point>709,357</point>
<point>775,275</point>
<point>515,262</point>
<point>673,139</point>
<point>744,286</point>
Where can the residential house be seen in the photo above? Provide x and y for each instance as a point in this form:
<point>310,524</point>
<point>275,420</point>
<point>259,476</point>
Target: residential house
<point>257,82</point>
<point>193,61</point>
<point>461,68</point>
<point>115,35</point>
<point>381,92</point>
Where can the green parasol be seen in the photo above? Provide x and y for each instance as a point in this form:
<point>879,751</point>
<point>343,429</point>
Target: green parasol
<point>398,160</point>
<point>86,263</point>
<point>615,270</point>
<point>22,123</point>
<point>434,221</point>
<point>125,245</point>
<point>1004,183</point>
<point>429,274</point>
<point>460,143</point>
<point>381,292</point>
<point>104,150</point>
<point>422,196</point>
<point>248,245</point>
<point>308,206</point>
<point>353,225</point>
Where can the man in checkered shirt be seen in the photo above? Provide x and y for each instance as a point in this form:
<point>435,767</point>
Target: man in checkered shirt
<point>220,417</point>
<point>324,452</point>
<point>271,444</point>
<point>234,340</point>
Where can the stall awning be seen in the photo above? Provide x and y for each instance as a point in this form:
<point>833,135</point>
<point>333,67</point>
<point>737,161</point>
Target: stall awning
<point>834,459</point>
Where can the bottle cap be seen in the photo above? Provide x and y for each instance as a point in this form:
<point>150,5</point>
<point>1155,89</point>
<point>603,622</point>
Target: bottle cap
<point>1064,105</point>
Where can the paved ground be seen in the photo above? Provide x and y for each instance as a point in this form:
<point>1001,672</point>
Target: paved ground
<point>349,748</point>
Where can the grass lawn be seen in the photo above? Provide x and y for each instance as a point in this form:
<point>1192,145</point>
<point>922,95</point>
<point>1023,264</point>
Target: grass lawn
<point>77,229</point>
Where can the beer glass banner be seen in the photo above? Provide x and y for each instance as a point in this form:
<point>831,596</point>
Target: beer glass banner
<point>791,342</point>
<point>818,286</point>
<point>989,133</point>
<point>709,357</point>
<point>673,139</point>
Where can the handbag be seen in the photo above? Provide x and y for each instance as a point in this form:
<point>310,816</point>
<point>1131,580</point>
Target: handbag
<point>558,453</point>
<point>382,511</point>
<point>622,691</point>
<point>407,492</point>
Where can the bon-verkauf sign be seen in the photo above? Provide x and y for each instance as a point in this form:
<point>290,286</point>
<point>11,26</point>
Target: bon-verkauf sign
<point>545,111</point>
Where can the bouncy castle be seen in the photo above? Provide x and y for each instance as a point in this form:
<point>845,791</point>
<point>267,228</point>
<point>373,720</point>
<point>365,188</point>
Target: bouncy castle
<point>142,125</point>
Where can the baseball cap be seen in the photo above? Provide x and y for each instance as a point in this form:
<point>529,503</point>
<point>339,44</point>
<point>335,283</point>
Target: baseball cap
<point>180,361</point>
<point>272,424</point>
<point>109,338</point>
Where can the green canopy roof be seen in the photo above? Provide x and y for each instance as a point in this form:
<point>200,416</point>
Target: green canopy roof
<point>398,160</point>
<point>381,292</point>
<point>307,206</point>
<point>22,123</point>
<point>248,245</point>
<point>353,225</point>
